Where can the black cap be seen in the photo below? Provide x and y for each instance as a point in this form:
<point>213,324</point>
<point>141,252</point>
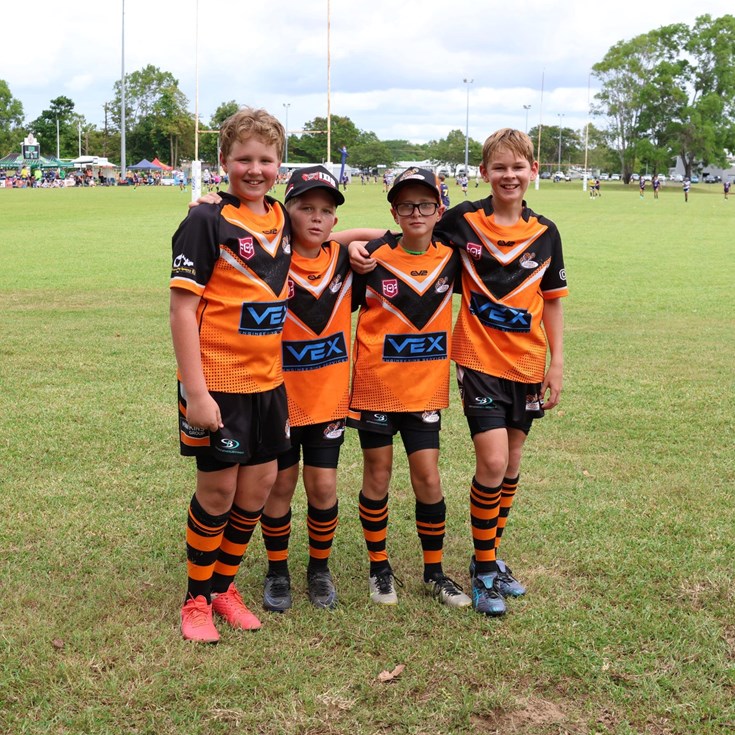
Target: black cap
<point>312,177</point>
<point>414,176</point>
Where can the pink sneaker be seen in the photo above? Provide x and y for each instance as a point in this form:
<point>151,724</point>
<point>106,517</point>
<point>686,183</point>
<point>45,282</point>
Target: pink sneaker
<point>196,621</point>
<point>231,607</point>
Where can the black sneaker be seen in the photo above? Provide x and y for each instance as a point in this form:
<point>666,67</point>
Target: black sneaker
<point>447,591</point>
<point>277,592</point>
<point>507,584</point>
<point>322,593</point>
<point>486,599</point>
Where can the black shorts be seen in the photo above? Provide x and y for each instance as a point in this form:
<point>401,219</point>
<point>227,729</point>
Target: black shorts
<point>419,430</point>
<point>321,444</point>
<point>256,429</point>
<point>497,403</point>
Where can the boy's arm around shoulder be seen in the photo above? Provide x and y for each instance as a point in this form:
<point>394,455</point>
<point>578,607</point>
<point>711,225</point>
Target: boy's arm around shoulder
<point>553,321</point>
<point>202,411</point>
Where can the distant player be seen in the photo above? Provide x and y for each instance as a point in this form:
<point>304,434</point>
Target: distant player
<point>656,186</point>
<point>685,186</point>
<point>726,187</point>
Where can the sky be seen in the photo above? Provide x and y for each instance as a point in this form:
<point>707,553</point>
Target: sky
<point>412,70</point>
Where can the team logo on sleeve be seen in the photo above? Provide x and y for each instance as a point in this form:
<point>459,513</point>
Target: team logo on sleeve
<point>390,288</point>
<point>247,247</point>
<point>474,250</point>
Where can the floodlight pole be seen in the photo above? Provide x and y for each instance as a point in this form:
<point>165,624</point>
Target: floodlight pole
<point>196,164</point>
<point>122,101</point>
<point>329,85</point>
<point>467,130</point>
<point>526,108</point>
<point>540,117</point>
<point>560,116</point>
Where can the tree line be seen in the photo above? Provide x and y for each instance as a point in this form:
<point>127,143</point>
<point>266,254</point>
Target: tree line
<point>666,93</point>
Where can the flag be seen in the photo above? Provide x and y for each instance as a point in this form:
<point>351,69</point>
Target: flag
<point>343,161</point>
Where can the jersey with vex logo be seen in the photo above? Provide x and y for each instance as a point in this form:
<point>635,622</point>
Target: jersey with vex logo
<point>316,336</point>
<point>237,262</point>
<point>507,272</point>
<point>401,359</point>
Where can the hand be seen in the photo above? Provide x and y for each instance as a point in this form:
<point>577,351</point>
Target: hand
<point>360,260</point>
<point>552,383</point>
<point>211,198</point>
<point>202,412</point>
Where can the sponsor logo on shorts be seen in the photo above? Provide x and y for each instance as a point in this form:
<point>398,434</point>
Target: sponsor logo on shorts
<point>415,347</point>
<point>229,445</point>
<point>334,430</point>
<point>430,417</point>
<point>498,316</point>
<point>533,402</point>
<point>247,247</point>
<point>484,401</point>
<point>262,318</point>
<point>314,353</point>
<point>527,261</point>
<point>374,418</point>
<point>191,431</point>
<point>390,288</point>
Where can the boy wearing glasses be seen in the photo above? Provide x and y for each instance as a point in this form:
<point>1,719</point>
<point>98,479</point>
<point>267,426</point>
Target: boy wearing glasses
<point>401,378</point>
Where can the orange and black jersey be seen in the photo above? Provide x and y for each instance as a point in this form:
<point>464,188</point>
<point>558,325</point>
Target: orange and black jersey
<point>316,336</point>
<point>237,263</point>
<point>507,272</point>
<point>401,360</point>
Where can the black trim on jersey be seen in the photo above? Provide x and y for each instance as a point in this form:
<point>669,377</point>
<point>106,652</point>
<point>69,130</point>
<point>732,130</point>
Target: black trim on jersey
<point>419,310</point>
<point>316,312</point>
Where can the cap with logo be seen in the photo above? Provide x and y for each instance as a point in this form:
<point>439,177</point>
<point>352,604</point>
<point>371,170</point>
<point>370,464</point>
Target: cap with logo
<point>312,177</point>
<point>414,176</point>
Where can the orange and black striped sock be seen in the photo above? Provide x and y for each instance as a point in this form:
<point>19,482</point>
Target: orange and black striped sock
<point>374,520</point>
<point>321,525</point>
<point>237,536</point>
<point>484,509</point>
<point>430,526</point>
<point>204,533</point>
<point>276,535</point>
<point>507,495</point>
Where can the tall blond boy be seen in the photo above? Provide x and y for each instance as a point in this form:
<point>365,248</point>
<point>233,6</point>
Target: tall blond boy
<point>229,287</point>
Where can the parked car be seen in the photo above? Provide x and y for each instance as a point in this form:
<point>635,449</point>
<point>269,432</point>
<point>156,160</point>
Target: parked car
<point>615,177</point>
<point>712,179</point>
<point>561,176</point>
<point>544,175</point>
<point>604,177</point>
<point>694,179</point>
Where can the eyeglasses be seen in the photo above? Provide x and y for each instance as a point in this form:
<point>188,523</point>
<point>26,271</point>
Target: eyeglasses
<point>406,209</point>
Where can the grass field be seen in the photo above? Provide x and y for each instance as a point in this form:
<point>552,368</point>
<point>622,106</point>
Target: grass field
<point>623,527</point>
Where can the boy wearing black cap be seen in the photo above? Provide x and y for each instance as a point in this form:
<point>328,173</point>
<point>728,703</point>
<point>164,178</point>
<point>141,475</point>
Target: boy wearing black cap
<point>315,354</point>
<point>401,378</point>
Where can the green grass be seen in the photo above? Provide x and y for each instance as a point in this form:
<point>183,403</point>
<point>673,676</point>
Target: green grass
<point>622,530</point>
